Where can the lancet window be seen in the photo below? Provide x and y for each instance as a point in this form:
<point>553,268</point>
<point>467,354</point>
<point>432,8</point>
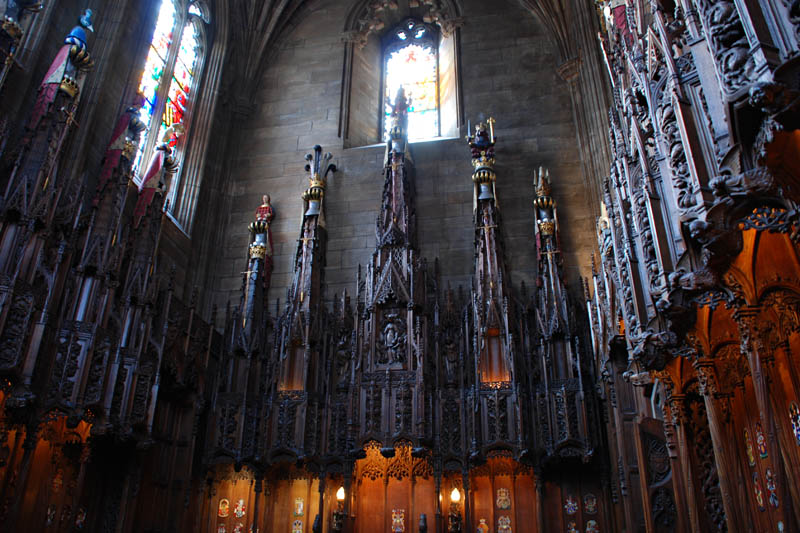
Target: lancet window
<point>411,61</point>
<point>169,79</point>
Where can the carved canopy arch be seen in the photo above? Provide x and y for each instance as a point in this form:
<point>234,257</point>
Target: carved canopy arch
<point>714,327</point>
<point>676,374</point>
<point>768,260</point>
<point>783,304</point>
<point>731,366</point>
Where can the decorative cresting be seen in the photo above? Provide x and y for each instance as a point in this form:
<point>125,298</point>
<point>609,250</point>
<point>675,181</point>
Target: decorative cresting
<point>566,418</point>
<point>497,381</point>
<point>16,21</point>
<point>684,173</point>
<point>392,362</point>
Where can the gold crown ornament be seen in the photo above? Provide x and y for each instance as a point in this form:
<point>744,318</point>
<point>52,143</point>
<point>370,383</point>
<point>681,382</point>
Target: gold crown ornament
<point>257,251</point>
<point>547,227</point>
<point>12,28</point>
<point>69,86</point>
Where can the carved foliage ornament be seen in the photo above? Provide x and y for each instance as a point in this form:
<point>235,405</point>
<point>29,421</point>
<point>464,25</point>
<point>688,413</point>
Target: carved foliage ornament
<point>664,510</point>
<point>707,471</point>
<point>676,154</point>
<point>728,43</point>
<point>657,460</point>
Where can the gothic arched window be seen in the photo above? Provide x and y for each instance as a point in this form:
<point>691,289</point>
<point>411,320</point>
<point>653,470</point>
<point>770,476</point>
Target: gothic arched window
<point>413,44</point>
<point>411,61</point>
<point>171,71</point>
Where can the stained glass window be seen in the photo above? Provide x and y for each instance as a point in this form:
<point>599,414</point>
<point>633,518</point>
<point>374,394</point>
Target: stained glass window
<point>411,62</point>
<point>169,76</point>
<point>182,78</point>
<point>154,66</point>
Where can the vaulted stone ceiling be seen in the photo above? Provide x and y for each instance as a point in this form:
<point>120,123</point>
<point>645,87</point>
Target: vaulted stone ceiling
<point>254,25</point>
<point>559,17</point>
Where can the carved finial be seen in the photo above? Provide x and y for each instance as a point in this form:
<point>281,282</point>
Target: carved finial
<point>86,20</point>
<point>482,148</point>
<point>264,216</point>
<point>483,141</point>
<point>317,179</point>
<point>398,124</point>
<point>264,212</point>
<point>542,182</point>
<point>314,166</point>
<point>544,203</point>
<point>79,53</point>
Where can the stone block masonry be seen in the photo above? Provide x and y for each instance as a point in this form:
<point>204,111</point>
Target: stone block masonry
<point>506,62</point>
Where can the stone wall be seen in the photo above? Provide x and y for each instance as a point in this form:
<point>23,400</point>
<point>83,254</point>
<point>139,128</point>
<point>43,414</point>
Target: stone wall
<point>507,70</point>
